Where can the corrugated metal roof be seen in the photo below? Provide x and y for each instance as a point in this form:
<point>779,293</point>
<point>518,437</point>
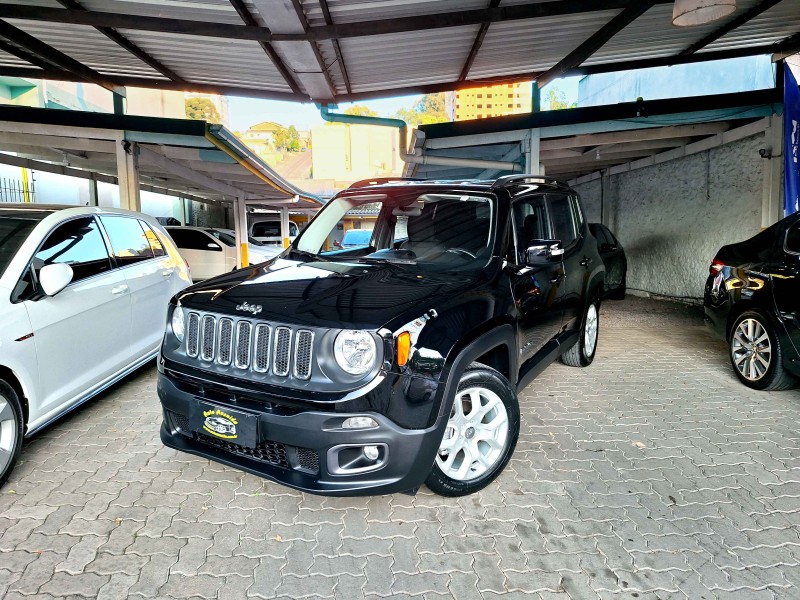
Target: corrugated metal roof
<point>387,46</point>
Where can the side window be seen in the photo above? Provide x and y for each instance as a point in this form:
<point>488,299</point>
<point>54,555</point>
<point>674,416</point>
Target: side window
<point>563,220</point>
<point>611,239</point>
<point>530,223</point>
<point>267,229</point>
<point>293,230</point>
<point>598,231</point>
<point>191,239</point>
<point>793,239</point>
<point>155,243</point>
<point>129,243</point>
<point>77,243</point>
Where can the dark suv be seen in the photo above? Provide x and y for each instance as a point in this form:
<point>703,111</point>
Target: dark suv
<point>377,368</point>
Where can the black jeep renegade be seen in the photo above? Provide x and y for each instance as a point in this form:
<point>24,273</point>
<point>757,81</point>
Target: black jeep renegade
<point>378,368</point>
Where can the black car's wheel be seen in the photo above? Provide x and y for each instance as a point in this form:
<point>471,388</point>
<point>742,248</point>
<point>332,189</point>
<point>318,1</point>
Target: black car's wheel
<point>619,292</point>
<point>480,436</point>
<point>756,354</point>
<point>582,353</point>
<point>10,430</point>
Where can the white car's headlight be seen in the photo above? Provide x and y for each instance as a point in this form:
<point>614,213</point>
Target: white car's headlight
<point>355,351</point>
<point>178,323</point>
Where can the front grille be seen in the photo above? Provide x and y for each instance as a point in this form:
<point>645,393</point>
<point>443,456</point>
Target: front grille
<point>249,346</point>
<point>308,459</point>
<point>270,452</point>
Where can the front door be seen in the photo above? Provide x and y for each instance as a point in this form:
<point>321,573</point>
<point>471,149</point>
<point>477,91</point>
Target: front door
<point>82,333</point>
<point>536,289</point>
<point>786,285</point>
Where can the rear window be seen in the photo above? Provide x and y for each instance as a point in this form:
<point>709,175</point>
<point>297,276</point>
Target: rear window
<point>13,233</point>
<point>191,239</point>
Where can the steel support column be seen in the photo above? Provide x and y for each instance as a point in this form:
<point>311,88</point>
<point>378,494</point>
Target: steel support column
<point>285,227</point>
<point>93,197</point>
<point>771,198</point>
<point>128,174</point>
<point>240,227</point>
<point>532,161</point>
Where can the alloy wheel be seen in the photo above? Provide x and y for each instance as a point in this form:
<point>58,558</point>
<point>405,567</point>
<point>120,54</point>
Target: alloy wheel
<point>476,434</point>
<point>590,331</point>
<point>751,349</point>
<point>8,433</point>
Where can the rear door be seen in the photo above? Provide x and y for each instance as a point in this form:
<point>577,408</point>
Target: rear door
<point>535,289</point>
<point>566,228</point>
<point>146,276</point>
<point>82,333</point>
<point>786,285</point>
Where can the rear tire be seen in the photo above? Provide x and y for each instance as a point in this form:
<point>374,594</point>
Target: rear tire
<point>480,436</point>
<point>11,430</point>
<point>582,353</point>
<point>619,293</point>
<point>756,354</point>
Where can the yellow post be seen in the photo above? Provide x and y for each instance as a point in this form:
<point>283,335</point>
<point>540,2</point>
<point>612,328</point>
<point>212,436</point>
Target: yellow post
<point>26,191</point>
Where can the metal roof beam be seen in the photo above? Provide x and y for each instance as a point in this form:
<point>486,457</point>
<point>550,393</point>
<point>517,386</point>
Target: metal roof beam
<point>596,41</point>
<point>476,45</point>
<point>250,21</point>
<point>128,45</point>
<point>301,17</point>
<point>730,26</point>
<point>633,135</point>
<point>27,42</point>
<point>326,13</point>
<point>552,8</point>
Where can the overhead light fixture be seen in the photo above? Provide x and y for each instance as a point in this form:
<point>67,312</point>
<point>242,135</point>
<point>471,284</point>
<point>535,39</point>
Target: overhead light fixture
<point>698,12</point>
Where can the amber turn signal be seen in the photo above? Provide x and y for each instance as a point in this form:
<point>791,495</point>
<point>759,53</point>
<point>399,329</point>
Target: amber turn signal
<point>403,348</point>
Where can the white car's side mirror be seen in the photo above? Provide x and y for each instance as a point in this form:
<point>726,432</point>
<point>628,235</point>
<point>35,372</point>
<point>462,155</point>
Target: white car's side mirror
<point>55,277</point>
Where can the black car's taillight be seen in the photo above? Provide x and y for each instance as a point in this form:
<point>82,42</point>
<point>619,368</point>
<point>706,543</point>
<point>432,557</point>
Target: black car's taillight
<point>716,266</point>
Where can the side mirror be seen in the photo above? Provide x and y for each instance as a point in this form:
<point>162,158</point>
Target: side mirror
<point>55,277</point>
<point>543,251</point>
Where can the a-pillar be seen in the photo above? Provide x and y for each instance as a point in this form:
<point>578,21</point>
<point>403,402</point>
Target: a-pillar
<point>128,174</point>
<point>285,227</point>
<point>240,227</point>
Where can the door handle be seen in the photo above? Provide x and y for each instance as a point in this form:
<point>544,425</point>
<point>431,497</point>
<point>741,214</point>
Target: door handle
<point>166,273</point>
<point>120,289</point>
<point>557,278</point>
<point>586,261</point>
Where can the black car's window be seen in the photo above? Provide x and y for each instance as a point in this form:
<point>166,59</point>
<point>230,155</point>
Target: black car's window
<point>129,242</point>
<point>77,243</point>
<point>561,213</point>
<point>793,239</point>
<point>530,223</point>
<point>599,232</point>
<point>611,239</point>
<point>191,239</point>
<point>155,242</point>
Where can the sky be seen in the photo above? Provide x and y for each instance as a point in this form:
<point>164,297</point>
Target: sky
<point>245,112</point>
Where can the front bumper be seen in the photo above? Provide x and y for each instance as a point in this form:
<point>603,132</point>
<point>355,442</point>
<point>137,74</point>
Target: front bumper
<point>306,450</point>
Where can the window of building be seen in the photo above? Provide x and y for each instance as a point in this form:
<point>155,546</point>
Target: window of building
<point>480,105</point>
<point>480,95</point>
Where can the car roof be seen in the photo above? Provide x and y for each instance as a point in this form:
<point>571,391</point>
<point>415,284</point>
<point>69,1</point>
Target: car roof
<point>32,210</point>
<point>541,182</point>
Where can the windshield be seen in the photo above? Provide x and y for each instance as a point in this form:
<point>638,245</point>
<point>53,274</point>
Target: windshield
<point>438,231</point>
<point>13,232</point>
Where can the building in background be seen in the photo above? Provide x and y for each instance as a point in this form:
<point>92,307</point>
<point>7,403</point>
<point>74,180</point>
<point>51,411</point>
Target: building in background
<point>343,153</point>
<point>490,101</point>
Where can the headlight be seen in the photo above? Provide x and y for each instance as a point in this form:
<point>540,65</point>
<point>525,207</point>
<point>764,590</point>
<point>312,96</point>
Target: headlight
<point>178,321</point>
<point>355,352</point>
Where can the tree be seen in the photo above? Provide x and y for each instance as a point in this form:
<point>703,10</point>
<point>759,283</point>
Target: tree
<point>202,109</point>
<point>430,108</point>
<point>557,99</point>
<point>360,110</point>
<point>292,139</point>
<point>281,138</point>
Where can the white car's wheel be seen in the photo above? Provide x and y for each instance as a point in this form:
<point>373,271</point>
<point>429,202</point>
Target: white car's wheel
<point>11,430</point>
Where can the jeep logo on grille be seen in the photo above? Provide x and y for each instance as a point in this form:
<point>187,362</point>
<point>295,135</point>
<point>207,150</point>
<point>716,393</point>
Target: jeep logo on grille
<point>251,308</point>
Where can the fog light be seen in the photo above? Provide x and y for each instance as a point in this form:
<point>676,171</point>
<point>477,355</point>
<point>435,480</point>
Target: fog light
<point>371,452</point>
<point>359,423</point>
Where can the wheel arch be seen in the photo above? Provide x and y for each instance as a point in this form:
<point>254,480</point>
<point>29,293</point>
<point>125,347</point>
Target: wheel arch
<point>7,375</point>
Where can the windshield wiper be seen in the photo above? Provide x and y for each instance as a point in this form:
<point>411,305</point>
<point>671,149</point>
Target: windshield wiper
<point>387,261</point>
<point>307,254</point>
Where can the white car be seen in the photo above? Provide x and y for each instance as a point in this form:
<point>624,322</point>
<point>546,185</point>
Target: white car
<point>269,232</point>
<point>83,301</point>
<point>211,252</point>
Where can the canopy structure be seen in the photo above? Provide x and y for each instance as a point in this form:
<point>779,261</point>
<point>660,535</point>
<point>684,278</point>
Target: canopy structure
<point>342,50</point>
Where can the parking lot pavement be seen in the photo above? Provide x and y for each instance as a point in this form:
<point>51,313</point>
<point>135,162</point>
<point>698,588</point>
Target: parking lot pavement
<point>651,474</point>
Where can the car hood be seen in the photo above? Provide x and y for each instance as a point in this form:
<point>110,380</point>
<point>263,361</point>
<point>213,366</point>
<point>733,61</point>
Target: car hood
<point>327,294</point>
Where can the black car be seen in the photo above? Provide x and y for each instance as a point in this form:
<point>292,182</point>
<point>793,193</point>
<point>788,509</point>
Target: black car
<point>752,300</point>
<point>377,368</point>
<point>613,256</point>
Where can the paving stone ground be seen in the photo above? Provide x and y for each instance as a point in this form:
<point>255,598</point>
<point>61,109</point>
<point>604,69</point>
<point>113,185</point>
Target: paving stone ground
<point>651,474</point>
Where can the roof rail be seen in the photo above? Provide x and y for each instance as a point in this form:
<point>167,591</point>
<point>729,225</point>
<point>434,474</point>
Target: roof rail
<point>514,179</point>
<point>380,180</point>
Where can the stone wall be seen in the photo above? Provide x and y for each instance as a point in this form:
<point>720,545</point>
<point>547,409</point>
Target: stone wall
<point>672,218</point>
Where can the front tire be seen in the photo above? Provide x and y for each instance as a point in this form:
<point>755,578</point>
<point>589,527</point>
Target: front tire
<point>582,353</point>
<point>480,436</point>
<point>756,354</point>
<point>11,430</point>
